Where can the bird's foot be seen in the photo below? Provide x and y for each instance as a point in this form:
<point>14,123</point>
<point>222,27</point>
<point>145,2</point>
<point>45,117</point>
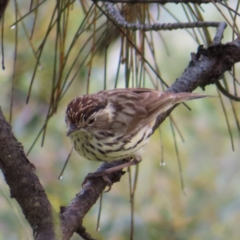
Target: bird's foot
<point>102,174</point>
<point>105,173</point>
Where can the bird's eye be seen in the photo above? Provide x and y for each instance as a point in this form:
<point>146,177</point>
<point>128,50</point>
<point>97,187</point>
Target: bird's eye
<point>91,121</point>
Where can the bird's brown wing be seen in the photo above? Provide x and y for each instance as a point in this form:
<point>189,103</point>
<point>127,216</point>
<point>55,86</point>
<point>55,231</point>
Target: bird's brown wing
<point>137,107</point>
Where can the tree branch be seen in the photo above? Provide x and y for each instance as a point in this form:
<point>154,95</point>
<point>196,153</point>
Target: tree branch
<point>24,184</point>
<point>3,5</point>
<point>205,68</point>
<point>115,15</point>
<point>72,215</point>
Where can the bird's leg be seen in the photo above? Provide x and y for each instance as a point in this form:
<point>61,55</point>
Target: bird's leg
<point>135,161</point>
<point>104,173</point>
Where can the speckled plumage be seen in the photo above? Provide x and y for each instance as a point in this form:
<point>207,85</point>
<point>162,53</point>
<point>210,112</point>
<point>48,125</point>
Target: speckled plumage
<point>114,124</point>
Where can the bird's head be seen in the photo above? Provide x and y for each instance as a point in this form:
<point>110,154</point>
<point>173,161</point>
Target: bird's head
<point>82,113</point>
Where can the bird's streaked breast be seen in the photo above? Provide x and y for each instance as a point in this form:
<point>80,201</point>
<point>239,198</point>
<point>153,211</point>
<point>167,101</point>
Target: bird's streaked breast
<point>110,148</point>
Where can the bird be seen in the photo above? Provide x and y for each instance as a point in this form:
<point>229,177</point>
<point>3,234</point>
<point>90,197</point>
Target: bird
<point>116,124</point>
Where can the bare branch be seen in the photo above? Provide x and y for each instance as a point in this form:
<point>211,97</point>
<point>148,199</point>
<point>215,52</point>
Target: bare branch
<point>72,215</point>
<point>205,68</point>
<point>3,5</point>
<point>116,16</point>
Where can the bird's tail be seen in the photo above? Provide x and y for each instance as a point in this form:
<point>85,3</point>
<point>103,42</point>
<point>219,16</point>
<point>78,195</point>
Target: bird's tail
<point>185,96</point>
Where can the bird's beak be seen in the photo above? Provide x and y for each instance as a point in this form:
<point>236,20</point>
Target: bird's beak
<point>72,128</point>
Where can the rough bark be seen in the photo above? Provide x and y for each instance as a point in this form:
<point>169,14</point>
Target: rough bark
<point>24,185</point>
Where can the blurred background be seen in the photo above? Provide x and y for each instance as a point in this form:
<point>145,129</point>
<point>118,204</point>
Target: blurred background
<point>209,205</point>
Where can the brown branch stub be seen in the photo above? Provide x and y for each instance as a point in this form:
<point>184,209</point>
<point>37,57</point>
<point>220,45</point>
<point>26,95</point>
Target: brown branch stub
<point>3,5</point>
<point>24,184</point>
<point>208,65</point>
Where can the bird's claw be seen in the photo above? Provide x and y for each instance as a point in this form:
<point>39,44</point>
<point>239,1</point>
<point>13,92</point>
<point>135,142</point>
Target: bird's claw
<point>99,174</point>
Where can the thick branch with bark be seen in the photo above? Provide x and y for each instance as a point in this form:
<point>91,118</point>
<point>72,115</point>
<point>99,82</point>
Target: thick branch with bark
<point>205,68</point>
<point>73,214</point>
<point>24,184</point>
